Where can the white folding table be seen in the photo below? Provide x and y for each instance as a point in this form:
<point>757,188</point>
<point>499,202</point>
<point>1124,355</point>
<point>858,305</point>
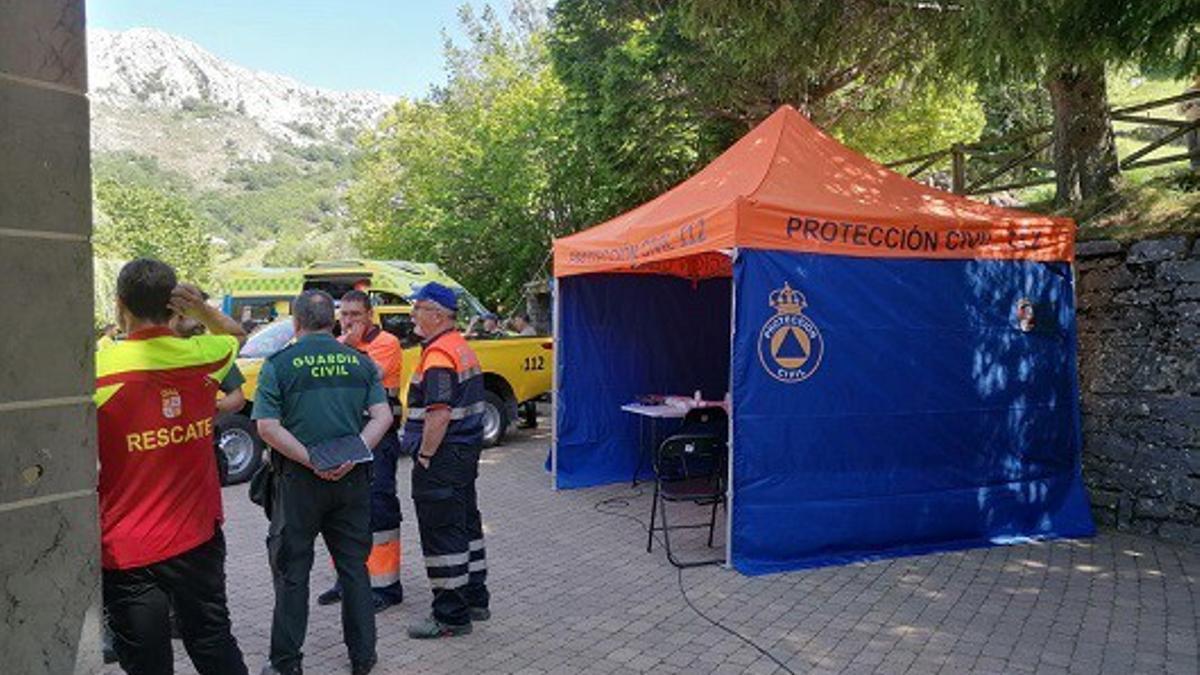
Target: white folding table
<point>652,413</point>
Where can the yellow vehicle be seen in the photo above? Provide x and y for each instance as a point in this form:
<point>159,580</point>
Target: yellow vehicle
<point>516,369</point>
<point>259,295</point>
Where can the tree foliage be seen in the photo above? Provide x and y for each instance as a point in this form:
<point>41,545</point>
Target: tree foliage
<point>1026,38</point>
<point>657,89</point>
<point>286,211</point>
<point>1068,44</point>
<point>771,52</point>
<point>933,117</point>
<point>137,221</point>
<point>471,177</point>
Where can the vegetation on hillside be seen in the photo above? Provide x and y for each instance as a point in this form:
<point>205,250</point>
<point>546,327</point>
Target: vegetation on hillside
<point>283,212</point>
<point>135,221</point>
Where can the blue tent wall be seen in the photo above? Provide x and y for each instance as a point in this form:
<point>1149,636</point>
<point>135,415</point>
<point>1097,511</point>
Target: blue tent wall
<point>932,421</point>
<point>620,336</point>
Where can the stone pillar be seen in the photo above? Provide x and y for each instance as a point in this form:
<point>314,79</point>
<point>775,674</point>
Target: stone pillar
<point>49,551</point>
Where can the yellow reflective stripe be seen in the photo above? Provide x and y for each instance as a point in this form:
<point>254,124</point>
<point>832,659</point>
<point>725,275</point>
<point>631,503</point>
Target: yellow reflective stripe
<point>220,374</point>
<point>166,353</point>
<point>105,393</point>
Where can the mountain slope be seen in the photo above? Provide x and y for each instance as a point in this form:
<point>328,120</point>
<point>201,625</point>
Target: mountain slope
<point>148,68</point>
<point>262,159</point>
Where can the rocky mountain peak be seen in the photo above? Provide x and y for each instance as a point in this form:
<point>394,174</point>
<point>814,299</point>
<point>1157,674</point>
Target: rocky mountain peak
<point>143,68</point>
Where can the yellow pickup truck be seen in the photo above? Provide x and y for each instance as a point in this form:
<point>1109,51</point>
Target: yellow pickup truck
<point>516,369</point>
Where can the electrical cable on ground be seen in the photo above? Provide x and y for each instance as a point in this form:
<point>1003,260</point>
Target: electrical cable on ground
<point>621,501</point>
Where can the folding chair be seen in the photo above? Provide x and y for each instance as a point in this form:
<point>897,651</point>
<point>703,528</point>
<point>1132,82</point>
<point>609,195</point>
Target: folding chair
<point>688,468</point>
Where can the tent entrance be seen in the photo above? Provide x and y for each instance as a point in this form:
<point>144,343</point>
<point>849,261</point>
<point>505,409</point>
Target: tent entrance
<point>622,336</point>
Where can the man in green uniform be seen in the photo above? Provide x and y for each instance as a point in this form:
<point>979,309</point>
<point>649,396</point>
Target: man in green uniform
<point>309,394</point>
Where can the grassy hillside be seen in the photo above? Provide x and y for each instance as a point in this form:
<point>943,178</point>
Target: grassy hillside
<point>281,205</point>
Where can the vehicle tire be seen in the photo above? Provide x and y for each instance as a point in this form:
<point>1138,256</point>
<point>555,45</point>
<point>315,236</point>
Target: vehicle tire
<point>495,419</point>
<point>238,441</point>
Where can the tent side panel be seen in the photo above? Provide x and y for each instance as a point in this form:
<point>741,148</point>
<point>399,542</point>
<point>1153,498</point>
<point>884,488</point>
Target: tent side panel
<point>622,336</point>
<point>898,407</point>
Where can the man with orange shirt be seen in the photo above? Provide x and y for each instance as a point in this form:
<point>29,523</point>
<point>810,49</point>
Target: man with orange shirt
<point>160,496</point>
<point>359,331</point>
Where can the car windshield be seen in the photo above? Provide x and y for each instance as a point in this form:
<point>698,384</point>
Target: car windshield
<point>269,340</point>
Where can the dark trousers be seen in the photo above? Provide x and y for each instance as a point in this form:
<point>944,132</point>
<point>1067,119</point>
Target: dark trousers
<point>383,565</point>
<point>385,512</point>
<point>138,602</point>
<point>452,532</point>
<point>529,412</point>
<point>304,506</point>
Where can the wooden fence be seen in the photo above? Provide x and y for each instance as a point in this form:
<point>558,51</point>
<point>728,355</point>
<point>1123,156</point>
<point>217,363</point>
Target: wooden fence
<point>975,168</point>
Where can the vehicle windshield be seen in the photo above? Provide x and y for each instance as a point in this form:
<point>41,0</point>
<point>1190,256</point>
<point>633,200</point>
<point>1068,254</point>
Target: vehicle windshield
<point>270,339</point>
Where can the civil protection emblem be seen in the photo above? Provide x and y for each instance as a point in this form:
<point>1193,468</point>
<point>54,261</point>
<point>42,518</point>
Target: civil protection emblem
<point>172,404</point>
<point>790,346</point>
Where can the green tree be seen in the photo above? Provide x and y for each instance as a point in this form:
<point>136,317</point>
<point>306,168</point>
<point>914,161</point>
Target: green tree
<point>934,116</point>
<point>1067,44</point>
<point>137,221</point>
<point>763,53</point>
<point>469,178</point>
<point>658,88</point>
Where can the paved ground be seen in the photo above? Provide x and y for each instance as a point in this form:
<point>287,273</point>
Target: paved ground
<point>575,592</point>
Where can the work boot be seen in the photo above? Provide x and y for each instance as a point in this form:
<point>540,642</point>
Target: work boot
<point>429,628</point>
<point>363,667</point>
<point>330,597</point>
<point>381,603</point>
<point>480,614</point>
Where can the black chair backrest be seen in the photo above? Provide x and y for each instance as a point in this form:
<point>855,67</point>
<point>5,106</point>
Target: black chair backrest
<point>712,421</point>
<point>687,456</point>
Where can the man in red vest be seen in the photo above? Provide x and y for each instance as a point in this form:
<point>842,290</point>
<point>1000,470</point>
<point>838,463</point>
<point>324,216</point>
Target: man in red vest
<point>160,496</point>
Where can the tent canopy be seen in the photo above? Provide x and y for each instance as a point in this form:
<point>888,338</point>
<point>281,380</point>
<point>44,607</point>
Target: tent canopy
<point>788,186</point>
<point>899,362</point>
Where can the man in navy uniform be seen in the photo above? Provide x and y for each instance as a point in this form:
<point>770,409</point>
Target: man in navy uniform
<point>444,432</point>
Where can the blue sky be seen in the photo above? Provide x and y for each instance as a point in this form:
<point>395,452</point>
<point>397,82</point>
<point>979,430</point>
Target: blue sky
<point>390,46</point>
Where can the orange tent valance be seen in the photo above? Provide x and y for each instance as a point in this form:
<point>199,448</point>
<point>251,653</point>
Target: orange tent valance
<point>787,185</point>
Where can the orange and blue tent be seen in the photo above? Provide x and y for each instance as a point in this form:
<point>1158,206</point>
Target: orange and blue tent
<point>900,362</point>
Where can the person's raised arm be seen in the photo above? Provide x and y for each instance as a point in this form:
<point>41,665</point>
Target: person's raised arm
<point>187,300</point>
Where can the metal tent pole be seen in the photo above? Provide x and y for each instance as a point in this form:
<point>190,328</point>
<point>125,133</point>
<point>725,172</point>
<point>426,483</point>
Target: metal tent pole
<point>555,384</point>
<point>732,404</point>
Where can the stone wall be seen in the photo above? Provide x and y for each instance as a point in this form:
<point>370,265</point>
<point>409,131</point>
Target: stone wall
<point>49,557</point>
<point>1139,357</point>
